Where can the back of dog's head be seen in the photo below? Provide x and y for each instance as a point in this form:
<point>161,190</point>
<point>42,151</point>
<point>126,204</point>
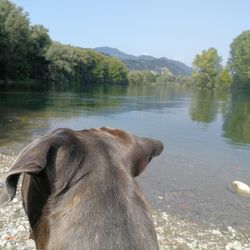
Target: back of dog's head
<point>65,168</point>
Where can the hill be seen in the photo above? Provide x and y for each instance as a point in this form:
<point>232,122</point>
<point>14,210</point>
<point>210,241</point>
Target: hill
<point>145,62</point>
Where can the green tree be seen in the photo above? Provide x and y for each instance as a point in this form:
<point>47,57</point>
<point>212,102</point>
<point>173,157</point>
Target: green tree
<point>117,72</point>
<point>135,77</point>
<point>39,43</point>
<point>239,61</point>
<point>206,67</point>
<point>142,77</point>
<point>14,34</point>
<point>68,63</point>
<point>224,78</point>
<point>28,52</point>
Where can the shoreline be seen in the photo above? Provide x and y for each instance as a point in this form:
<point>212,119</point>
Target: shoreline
<point>172,232</point>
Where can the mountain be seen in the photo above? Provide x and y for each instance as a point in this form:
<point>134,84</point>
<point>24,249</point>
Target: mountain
<point>145,62</point>
<point>115,53</point>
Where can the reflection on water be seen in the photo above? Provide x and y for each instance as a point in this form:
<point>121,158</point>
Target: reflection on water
<point>234,106</point>
<point>236,125</point>
<point>23,114</point>
<point>205,133</point>
<point>206,104</point>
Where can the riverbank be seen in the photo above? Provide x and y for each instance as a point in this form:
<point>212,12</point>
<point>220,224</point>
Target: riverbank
<point>172,232</point>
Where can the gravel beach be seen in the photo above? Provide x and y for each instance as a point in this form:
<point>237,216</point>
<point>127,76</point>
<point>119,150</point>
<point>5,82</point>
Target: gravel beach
<point>172,232</point>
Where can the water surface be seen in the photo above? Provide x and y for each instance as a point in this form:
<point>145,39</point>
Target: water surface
<point>206,136</point>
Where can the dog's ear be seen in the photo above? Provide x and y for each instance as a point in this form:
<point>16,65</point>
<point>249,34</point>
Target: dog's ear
<point>144,150</point>
<point>137,150</point>
<point>32,160</point>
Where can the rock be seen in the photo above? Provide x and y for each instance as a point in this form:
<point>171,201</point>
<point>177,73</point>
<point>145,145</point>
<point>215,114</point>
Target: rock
<point>164,216</point>
<point>231,230</point>
<point>21,228</point>
<point>236,245</point>
<point>8,237</point>
<point>172,232</point>
<point>193,244</point>
<point>180,240</point>
<point>215,232</point>
<point>241,188</point>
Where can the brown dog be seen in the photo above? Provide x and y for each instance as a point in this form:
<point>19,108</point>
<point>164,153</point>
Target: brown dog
<point>79,189</point>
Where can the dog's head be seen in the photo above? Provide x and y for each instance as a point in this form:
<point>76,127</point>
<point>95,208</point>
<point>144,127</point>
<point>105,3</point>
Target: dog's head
<point>65,156</point>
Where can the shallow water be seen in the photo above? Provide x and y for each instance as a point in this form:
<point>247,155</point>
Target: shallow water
<point>206,136</point>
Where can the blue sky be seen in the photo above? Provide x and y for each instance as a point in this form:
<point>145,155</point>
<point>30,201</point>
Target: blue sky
<point>176,29</point>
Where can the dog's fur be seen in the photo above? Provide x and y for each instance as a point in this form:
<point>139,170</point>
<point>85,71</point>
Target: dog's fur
<point>79,190</point>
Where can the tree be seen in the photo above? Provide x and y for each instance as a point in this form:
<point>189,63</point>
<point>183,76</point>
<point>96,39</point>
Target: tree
<point>68,63</point>
<point>142,77</point>
<point>135,77</point>
<point>64,60</point>
<point>14,34</point>
<point>39,43</point>
<point>117,72</point>
<point>206,67</point>
<point>27,52</point>
<point>239,61</point>
<point>224,78</point>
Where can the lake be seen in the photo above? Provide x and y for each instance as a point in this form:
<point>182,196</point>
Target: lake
<point>206,136</point>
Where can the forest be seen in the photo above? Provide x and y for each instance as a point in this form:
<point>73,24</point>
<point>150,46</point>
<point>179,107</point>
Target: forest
<point>27,53</point>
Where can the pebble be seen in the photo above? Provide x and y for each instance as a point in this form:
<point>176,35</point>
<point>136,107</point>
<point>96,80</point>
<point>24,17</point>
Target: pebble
<point>172,233</point>
<point>231,230</point>
<point>236,245</point>
<point>21,228</point>
<point>216,232</point>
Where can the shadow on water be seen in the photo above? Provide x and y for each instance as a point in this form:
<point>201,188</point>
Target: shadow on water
<point>201,130</point>
<point>236,125</point>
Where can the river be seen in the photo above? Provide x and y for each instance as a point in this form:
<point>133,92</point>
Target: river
<point>206,136</point>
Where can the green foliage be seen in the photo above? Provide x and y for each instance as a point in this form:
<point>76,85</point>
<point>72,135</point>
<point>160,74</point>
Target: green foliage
<point>203,108</point>
<point>27,52</point>
<point>72,64</point>
<point>237,117</point>
<point>117,72</point>
<point>64,62</point>
<point>135,77</point>
<point>239,61</point>
<point>166,78</point>
<point>14,34</point>
<point>224,78</point>
<point>206,68</point>
<point>39,43</point>
<point>148,77</point>
<point>141,77</point>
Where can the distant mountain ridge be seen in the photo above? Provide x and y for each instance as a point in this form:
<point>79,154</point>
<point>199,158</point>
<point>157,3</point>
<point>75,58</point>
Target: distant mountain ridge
<point>145,62</point>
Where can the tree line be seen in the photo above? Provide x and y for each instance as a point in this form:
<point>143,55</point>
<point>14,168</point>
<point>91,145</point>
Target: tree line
<point>27,52</point>
<point>208,71</point>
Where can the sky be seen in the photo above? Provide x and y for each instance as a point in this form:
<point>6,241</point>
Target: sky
<point>176,29</point>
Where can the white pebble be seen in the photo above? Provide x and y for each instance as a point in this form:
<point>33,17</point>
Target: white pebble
<point>236,245</point>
